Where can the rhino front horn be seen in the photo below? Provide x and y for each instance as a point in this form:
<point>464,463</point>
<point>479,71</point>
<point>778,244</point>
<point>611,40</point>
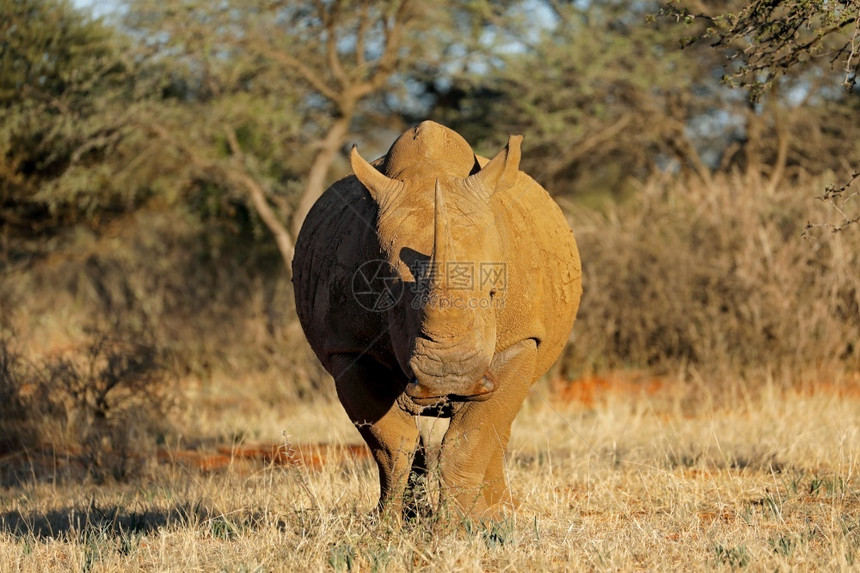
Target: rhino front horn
<point>376,182</point>
<point>443,250</point>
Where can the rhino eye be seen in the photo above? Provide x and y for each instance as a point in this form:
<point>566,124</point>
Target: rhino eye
<point>492,293</point>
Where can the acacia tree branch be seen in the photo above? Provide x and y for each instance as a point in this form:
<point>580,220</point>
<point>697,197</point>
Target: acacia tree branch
<point>329,18</point>
<point>586,145</point>
<point>771,33</point>
<point>834,196</point>
<point>313,78</point>
<point>351,93</point>
<point>165,135</point>
<point>347,89</point>
<point>240,177</point>
<point>853,50</point>
<point>315,184</point>
<point>387,62</point>
<point>258,198</point>
<point>360,34</point>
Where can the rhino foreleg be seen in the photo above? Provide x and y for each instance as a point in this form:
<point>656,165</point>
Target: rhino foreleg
<point>368,393</point>
<point>496,492</point>
<point>416,502</point>
<point>472,457</point>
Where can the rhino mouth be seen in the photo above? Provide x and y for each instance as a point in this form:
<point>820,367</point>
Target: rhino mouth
<point>441,371</point>
<point>425,394</point>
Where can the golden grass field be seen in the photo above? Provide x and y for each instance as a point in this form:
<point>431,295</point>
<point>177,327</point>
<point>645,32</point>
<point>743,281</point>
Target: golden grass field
<point>623,472</point>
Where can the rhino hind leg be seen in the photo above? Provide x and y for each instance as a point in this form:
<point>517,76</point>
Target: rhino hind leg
<point>472,456</point>
<point>368,392</point>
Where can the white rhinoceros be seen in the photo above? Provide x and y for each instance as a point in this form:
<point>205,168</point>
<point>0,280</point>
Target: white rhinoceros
<point>434,282</point>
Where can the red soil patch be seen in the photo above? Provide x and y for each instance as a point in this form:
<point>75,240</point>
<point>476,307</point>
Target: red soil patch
<point>244,459</point>
<point>725,515</point>
<point>848,387</point>
<point>309,455</point>
<point>593,390</point>
<point>313,456</point>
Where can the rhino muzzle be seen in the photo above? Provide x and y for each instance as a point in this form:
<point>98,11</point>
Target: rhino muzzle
<point>426,395</point>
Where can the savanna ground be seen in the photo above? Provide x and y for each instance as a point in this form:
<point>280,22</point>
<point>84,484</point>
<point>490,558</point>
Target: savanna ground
<point>624,473</point>
<point>162,414</point>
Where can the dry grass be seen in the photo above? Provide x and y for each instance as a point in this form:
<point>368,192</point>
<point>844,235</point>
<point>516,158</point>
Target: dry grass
<point>664,478</point>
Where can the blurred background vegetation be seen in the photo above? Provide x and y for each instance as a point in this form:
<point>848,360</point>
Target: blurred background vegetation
<point>157,159</point>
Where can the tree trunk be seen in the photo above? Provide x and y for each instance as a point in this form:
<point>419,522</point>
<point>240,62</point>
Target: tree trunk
<point>318,172</point>
<point>264,210</point>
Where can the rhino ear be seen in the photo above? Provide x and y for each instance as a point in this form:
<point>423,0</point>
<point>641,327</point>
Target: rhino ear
<point>501,172</point>
<point>377,183</point>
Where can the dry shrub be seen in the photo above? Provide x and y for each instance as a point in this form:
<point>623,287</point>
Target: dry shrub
<point>114,400</point>
<point>221,302</point>
<point>716,276</point>
<point>15,430</point>
<point>105,407</point>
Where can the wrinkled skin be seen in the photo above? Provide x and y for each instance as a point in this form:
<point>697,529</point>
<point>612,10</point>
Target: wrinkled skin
<point>440,344</point>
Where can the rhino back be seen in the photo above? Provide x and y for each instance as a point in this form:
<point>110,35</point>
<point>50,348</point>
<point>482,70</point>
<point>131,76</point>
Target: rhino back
<point>544,276</point>
<point>337,237</point>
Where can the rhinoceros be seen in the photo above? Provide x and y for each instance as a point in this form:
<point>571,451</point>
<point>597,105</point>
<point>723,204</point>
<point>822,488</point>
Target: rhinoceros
<point>434,282</point>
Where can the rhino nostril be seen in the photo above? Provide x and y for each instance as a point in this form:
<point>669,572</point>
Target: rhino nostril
<point>486,385</point>
<point>415,390</point>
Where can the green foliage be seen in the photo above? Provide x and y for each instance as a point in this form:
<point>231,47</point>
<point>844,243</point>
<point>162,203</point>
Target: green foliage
<point>606,98</point>
<point>735,557</point>
<point>342,557</point>
<point>210,73</point>
<point>50,50</point>
<point>601,96</point>
<point>770,39</point>
<point>62,79</point>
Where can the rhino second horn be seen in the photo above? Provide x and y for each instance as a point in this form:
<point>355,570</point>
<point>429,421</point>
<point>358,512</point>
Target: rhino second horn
<point>501,172</point>
<point>376,182</point>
